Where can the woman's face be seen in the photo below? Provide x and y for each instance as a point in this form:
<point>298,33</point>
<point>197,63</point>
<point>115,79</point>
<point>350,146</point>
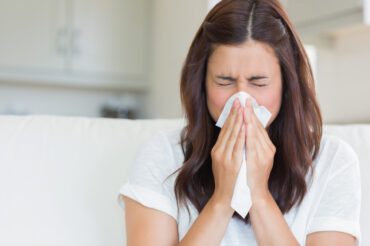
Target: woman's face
<point>251,67</point>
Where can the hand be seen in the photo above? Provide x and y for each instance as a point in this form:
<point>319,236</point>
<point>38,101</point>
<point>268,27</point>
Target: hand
<point>260,154</point>
<point>227,154</point>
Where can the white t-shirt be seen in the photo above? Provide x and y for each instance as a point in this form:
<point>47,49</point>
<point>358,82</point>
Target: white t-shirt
<point>332,202</point>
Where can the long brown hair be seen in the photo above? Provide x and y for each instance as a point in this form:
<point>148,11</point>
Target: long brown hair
<point>296,131</point>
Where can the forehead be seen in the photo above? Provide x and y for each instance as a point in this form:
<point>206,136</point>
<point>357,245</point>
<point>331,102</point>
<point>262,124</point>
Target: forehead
<point>250,56</point>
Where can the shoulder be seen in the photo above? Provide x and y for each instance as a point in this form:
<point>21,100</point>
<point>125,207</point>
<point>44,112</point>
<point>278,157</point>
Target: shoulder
<point>335,154</point>
<point>334,146</point>
<point>171,135</point>
<point>156,159</point>
<point>165,142</point>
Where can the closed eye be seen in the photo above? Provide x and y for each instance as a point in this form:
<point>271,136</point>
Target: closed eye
<point>251,79</point>
<point>228,80</point>
<point>258,78</point>
<point>224,84</point>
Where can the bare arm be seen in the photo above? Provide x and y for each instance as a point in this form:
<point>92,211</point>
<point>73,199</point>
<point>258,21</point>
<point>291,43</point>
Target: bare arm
<point>146,226</point>
<point>267,220</point>
<point>265,217</point>
<point>210,226</point>
<point>330,238</point>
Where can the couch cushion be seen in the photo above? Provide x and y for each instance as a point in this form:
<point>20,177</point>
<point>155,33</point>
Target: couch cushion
<point>59,176</point>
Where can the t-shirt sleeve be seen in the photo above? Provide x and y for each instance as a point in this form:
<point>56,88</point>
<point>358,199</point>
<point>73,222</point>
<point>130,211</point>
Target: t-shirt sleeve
<point>339,207</point>
<point>147,181</point>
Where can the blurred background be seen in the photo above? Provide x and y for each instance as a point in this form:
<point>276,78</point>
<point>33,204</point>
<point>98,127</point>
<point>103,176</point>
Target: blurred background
<point>123,58</point>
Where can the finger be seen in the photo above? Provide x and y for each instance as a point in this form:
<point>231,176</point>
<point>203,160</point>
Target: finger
<point>255,140</point>
<point>228,126</point>
<point>260,143</point>
<point>253,118</point>
<point>228,119</point>
<point>250,135</point>
<point>240,142</point>
<point>234,134</point>
<point>261,130</point>
<point>248,106</point>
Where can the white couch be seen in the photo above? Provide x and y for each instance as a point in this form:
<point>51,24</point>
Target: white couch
<point>59,176</point>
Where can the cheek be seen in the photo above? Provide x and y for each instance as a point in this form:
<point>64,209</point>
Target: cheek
<point>272,102</point>
<point>216,101</point>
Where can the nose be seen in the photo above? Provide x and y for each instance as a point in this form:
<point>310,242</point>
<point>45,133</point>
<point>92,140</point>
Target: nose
<point>241,87</point>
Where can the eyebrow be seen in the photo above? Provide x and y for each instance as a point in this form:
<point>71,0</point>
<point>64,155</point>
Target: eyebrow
<point>255,77</point>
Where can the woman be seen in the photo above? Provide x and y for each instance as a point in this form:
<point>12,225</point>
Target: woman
<point>304,185</point>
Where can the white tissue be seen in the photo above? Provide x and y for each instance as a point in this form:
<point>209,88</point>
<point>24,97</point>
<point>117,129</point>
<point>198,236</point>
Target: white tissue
<point>241,201</point>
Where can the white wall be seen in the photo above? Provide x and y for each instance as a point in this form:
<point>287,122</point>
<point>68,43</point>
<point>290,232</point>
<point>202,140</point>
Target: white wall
<point>174,25</point>
<point>343,77</point>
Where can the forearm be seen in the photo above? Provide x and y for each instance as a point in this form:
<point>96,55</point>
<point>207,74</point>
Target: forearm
<point>210,226</point>
<point>268,222</point>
